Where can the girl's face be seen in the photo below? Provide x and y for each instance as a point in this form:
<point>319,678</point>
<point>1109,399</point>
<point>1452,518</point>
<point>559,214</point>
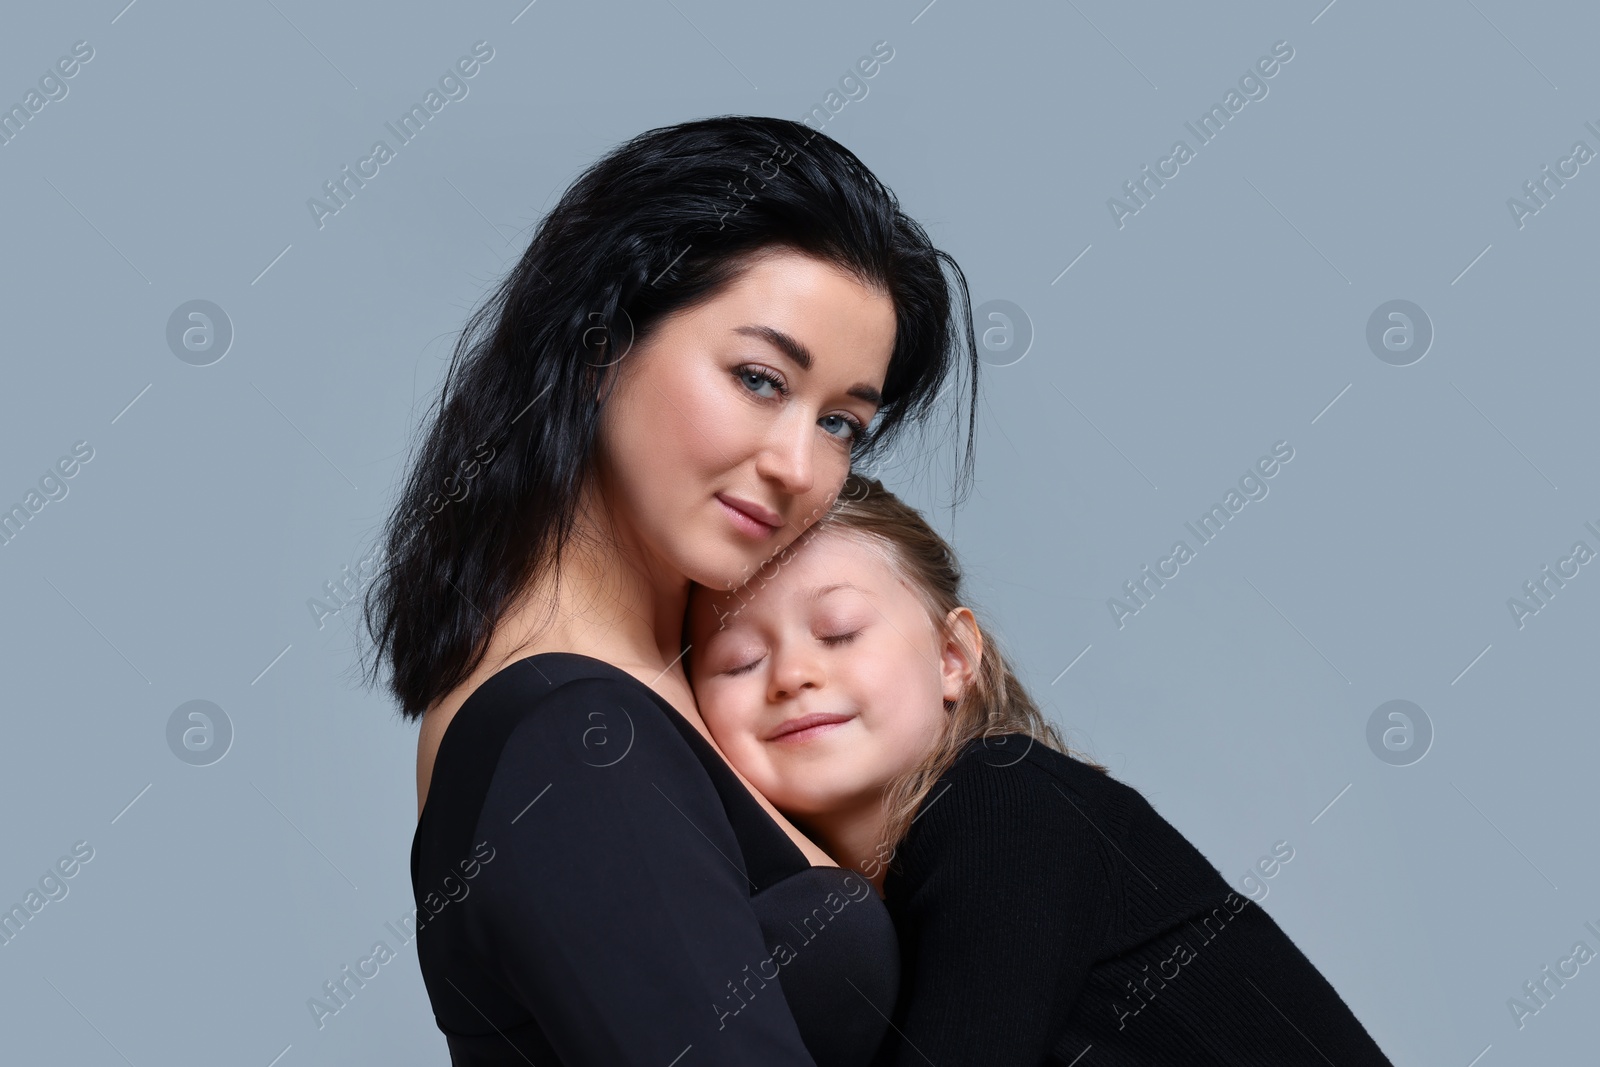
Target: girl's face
<point>835,637</point>
<point>750,401</point>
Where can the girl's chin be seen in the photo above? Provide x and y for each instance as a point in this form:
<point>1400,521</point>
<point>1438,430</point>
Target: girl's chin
<point>817,806</point>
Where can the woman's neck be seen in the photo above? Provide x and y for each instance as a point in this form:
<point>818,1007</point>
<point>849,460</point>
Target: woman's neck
<point>610,600</point>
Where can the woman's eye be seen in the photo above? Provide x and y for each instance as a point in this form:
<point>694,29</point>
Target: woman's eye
<point>754,377</point>
<point>848,422</point>
<point>847,428</point>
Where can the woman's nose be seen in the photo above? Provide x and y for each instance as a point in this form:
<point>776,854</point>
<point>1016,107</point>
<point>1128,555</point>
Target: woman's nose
<point>788,456</point>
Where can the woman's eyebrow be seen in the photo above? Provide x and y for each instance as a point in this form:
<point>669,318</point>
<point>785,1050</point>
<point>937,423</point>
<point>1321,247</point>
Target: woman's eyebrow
<point>801,355</point>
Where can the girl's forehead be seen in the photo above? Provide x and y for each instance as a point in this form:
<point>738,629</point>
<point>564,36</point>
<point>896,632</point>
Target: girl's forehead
<point>831,569</point>
<point>807,568</point>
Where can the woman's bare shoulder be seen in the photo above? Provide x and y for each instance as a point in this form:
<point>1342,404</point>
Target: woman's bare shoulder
<point>436,720</point>
<point>509,689</point>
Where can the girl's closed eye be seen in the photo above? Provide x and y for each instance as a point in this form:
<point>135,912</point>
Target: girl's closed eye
<point>830,640</point>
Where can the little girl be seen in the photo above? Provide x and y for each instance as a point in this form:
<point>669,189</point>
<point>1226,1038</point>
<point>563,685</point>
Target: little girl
<point>1046,912</point>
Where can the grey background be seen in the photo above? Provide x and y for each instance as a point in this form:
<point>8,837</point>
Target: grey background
<point>1228,314</point>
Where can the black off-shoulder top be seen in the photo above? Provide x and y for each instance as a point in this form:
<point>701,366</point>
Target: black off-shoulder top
<point>594,885</point>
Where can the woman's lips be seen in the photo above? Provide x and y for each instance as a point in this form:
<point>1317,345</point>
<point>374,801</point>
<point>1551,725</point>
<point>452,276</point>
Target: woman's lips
<point>745,524</point>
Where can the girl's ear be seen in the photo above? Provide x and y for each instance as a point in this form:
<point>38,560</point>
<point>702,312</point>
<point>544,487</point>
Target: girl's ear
<point>961,653</point>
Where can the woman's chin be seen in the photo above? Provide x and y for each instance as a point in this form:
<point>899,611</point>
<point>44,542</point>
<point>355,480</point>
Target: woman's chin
<point>728,584</point>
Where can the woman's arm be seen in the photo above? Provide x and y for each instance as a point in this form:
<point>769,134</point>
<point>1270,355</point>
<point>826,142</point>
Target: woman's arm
<point>616,909</point>
<point>1008,893</point>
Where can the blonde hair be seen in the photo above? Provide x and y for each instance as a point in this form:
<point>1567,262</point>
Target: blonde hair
<point>995,701</point>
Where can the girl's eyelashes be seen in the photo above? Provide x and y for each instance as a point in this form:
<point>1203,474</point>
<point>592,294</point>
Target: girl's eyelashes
<point>830,640</point>
<point>749,371</point>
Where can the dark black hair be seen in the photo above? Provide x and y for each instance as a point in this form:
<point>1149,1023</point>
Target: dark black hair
<point>662,223</point>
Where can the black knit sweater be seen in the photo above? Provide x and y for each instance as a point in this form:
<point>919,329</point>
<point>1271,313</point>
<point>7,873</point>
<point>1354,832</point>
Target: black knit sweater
<point>1047,914</point>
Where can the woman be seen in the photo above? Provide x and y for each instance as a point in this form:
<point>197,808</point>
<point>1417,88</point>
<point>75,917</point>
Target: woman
<point>668,388</point>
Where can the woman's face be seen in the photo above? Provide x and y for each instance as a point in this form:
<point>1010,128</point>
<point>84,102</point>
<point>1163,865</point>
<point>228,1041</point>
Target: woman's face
<point>748,402</point>
<point>834,632</point>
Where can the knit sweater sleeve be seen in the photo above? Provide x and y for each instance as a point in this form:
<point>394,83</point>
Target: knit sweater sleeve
<point>1003,894</point>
